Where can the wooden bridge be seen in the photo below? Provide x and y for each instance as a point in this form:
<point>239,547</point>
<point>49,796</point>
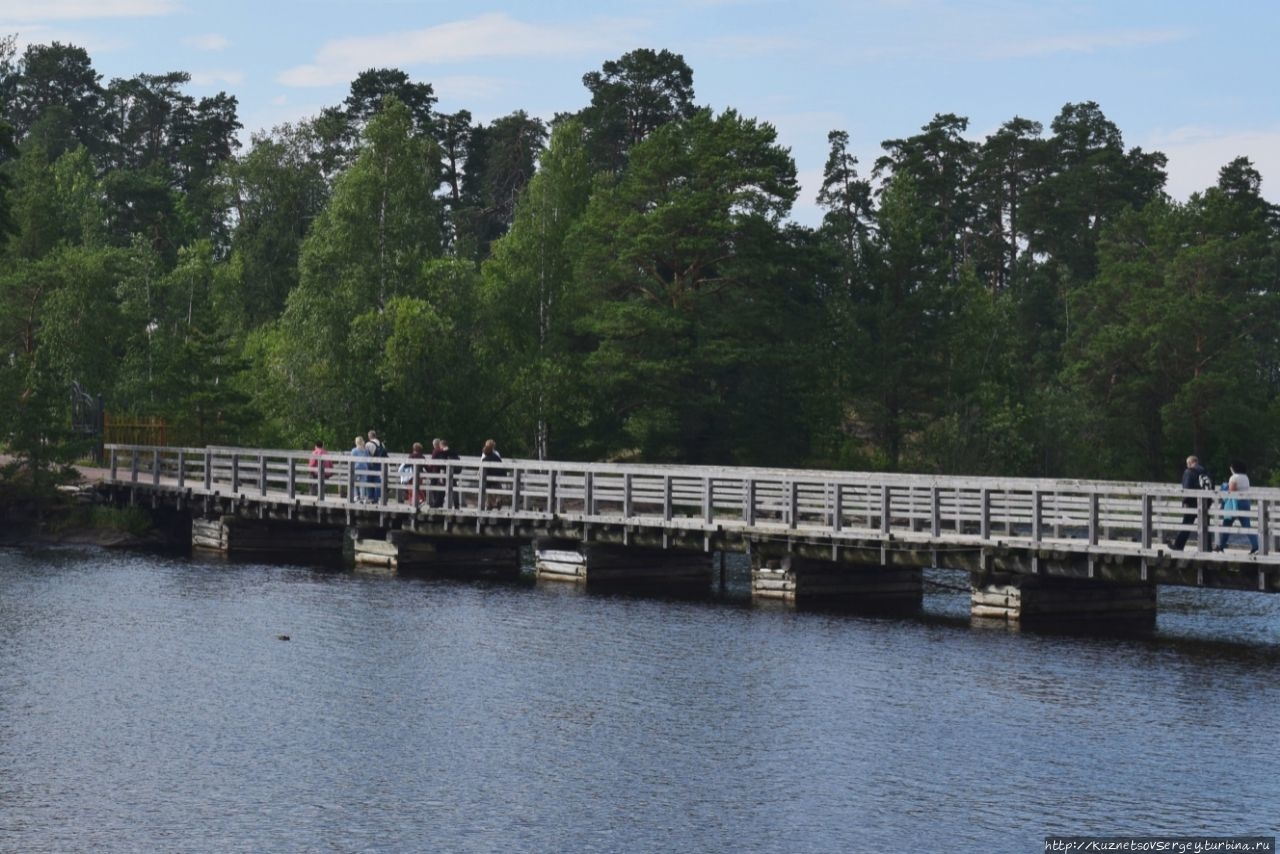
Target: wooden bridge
<point>1033,548</point>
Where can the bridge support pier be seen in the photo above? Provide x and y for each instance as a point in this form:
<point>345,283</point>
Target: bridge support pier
<point>807,581</point>
<point>598,563</point>
<point>1047,599</point>
<point>237,535</point>
<point>460,557</point>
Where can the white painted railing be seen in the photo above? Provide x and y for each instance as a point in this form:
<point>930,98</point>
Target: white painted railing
<point>1094,516</point>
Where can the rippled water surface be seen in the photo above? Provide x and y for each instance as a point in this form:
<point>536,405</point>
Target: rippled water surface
<point>146,703</point>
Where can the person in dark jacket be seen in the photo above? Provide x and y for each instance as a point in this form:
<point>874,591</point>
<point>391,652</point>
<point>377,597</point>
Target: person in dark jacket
<point>437,493</point>
<point>489,454</point>
<point>1195,477</point>
<point>455,500</point>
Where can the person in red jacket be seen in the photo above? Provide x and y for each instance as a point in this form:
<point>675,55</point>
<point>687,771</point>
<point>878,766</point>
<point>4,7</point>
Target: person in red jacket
<point>316,453</point>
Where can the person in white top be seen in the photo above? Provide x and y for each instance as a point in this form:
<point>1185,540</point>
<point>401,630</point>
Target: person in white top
<point>1239,482</point>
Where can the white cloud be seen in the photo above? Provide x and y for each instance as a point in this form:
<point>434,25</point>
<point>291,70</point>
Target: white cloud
<point>215,78</point>
<point>70,10</point>
<point>207,41</point>
<point>92,42</point>
<point>463,87</point>
<point>750,46</point>
<point>485,37</point>
<point>1011,48</point>
<point>1197,153</point>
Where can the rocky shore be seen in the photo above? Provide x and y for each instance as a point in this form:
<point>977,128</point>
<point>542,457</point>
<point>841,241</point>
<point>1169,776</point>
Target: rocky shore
<point>81,516</point>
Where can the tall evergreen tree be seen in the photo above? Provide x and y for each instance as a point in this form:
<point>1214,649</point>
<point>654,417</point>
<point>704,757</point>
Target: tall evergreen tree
<point>939,161</point>
<point>677,248</point>
<point>500,162</point>
<point>278,189</point>
<point>1009,164</point>
<point>55,92</point>
<point>631,97</point>
<point>1173,335</point>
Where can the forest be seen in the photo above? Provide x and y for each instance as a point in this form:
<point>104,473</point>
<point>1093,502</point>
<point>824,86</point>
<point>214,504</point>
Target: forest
<point>624,282</point>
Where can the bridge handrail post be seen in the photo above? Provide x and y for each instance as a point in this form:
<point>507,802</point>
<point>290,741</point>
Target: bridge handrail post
<point>1202,523</point>
<point>515,490</point>
<point>448,484</point>
<point>793,505</point>
<point>208,469</point>
<point>837,509</point>
<point>588,493</point>
<point>749,502</point>
<point>291,479</point>
<point>1094,510</point>
<point>668,509</point>
<point>133,465</point>
<point>886,509</point>
<point>1037,515</point>
<point>262,473</point>
<point>1264,525</point>
<point>114,464</point>
<point>155,466</point>
<point>182,468</point>
<point>553,496</point>
<point>708,499</point>
<point>1148,526</point>
<point>384,484</point>
<point>935,512</point>
<point>626,496</point>
<point>235,473</point>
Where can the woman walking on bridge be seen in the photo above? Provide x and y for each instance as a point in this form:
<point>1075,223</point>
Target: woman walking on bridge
<point>1239,481</point>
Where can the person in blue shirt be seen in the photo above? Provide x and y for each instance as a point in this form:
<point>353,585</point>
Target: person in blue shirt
<point>362,471</point>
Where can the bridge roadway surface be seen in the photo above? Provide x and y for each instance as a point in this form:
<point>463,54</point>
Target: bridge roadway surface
<point>1069,528</point>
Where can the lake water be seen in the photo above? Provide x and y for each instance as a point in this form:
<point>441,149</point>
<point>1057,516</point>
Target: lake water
<point>147,704</point>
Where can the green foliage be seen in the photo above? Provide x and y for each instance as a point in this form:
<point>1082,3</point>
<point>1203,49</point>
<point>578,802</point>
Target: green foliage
<point>528,302</point>
<point>680,252</point>
<point>1172,332</point>
<point>278,189</point>
<point>1026,304</point>
<point>58,202</point>
<point>128,520</point>
<point>631,97</point>
<point>365,251</point>
<point>500,163</point>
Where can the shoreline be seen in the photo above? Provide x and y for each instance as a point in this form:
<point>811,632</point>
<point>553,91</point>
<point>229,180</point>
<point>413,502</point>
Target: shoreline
<point>71,522</point>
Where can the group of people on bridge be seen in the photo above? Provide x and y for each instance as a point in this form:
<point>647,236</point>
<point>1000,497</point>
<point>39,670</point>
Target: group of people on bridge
<point>1196,477</point>
<point>370,477</point>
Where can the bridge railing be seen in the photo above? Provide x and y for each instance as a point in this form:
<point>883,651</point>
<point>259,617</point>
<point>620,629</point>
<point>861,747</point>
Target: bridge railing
<point>965,511</point>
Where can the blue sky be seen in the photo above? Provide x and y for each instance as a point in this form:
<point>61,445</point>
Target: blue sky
<point>1195,80</point>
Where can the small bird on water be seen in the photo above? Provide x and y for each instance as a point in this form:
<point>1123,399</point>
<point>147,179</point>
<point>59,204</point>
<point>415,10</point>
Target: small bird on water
<point>282,637</point>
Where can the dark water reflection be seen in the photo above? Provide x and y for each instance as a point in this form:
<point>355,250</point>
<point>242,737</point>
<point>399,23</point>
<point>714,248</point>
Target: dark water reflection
<point>146,704</point>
